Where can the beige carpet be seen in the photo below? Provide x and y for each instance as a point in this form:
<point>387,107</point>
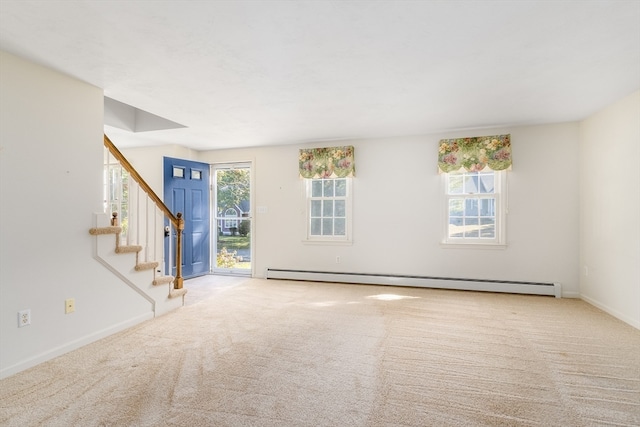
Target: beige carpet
<point>281,353</point>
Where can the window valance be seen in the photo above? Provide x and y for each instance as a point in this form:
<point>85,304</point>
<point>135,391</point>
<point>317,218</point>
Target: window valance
<point>474,154</point>
<point>328,162</point>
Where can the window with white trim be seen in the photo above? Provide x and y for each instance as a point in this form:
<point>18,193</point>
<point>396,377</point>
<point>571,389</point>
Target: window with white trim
<point>475,207</point>
<point>328,209</point>
<point>230,223</point>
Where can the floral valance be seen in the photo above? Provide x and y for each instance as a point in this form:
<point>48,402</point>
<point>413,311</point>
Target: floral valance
<point>329,162</point>
<point>474,154</point>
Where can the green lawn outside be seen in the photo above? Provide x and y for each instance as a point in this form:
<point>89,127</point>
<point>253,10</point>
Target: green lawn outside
<point>237,248</point>
<point>234,242</point>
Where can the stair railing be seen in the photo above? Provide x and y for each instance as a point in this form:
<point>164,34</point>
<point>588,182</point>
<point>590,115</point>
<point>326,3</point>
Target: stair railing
<point>141,228</point>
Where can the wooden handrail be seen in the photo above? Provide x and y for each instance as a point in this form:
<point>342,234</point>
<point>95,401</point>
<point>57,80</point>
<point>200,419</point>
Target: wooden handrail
<point>176,220</point>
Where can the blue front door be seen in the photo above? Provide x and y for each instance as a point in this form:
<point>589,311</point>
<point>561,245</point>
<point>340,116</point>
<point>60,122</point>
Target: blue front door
<point>186,190</point>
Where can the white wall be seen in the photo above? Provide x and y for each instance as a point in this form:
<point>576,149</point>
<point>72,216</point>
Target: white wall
<point>149,162</point>
<point>398,210</point>
<point>50,186</point>
<point>610,209</point>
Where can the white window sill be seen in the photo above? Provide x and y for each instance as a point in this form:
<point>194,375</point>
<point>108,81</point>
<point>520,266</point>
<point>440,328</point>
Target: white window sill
<point>473,245</point>
<point>328,242</point>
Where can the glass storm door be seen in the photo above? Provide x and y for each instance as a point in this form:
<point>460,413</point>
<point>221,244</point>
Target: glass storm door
<point>232,207</point>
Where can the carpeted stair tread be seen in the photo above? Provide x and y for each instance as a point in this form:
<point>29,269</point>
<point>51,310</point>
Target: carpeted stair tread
<point>174,293</point>
<point>162,280</point>
<point>105,230</point>
<point>146,265</point>
<point>128,249</point>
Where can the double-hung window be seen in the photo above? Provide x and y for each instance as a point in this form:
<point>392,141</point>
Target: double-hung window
<point>328,209</point>
<point>475,207</point>
<point>327,174</point>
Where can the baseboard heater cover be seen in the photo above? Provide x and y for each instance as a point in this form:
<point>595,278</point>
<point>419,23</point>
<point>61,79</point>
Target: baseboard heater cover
<point>505,286</point>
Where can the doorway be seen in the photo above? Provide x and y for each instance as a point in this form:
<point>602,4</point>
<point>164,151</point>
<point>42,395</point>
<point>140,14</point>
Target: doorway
<point>232,218</point>
<point>186,190</point>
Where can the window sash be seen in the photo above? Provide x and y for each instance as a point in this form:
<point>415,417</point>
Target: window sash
<point>477,216</point>
<point>471,221</point>
<point>328,209</point>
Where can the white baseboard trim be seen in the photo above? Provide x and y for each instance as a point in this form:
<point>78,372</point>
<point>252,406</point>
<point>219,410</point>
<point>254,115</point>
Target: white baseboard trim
<point>615,313</point>
<point>73,345</point>
<point>570,294</point>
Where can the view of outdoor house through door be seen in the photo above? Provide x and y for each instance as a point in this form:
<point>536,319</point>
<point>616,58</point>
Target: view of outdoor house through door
<point>186,190</point>
<point>232,195</point>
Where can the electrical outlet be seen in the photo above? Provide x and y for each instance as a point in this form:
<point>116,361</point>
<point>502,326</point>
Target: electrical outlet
<point>24,318</point>
<point>69,305</point>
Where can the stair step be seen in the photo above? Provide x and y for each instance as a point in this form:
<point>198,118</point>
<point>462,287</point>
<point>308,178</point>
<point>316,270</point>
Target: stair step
<point>146,265</point>
<point>174,293</point>
<point>105,230</point>
<point>152,265</point>
<point>162,280</point>
<point>128,249</point>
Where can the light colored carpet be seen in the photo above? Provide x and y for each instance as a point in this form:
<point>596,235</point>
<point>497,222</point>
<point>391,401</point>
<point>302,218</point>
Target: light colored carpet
<point>283,353</point>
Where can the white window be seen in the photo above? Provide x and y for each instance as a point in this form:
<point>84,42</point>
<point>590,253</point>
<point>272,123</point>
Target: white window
<point>328,209</point>
<point>230,223</point>
<point>475,208</point>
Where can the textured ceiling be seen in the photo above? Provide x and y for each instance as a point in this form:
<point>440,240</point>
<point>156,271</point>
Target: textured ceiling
<point>254,73</point>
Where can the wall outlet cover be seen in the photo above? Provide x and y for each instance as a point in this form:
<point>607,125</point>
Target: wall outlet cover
<point>24,318</point>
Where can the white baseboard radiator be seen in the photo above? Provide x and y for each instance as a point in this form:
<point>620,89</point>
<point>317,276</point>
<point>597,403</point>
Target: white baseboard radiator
<point>505,286</point>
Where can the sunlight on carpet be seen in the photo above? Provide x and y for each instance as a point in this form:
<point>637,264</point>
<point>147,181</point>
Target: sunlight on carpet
<point>284,353</point>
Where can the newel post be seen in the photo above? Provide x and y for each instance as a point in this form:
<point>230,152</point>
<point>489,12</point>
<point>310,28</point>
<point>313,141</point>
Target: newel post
<point>177,283</point>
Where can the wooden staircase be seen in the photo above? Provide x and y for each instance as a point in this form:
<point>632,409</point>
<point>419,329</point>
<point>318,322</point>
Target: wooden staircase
<point>158,280</point>
<point>139,234</point>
